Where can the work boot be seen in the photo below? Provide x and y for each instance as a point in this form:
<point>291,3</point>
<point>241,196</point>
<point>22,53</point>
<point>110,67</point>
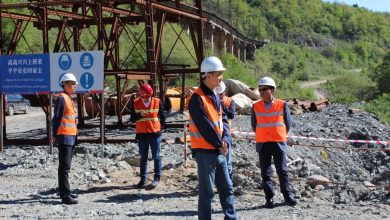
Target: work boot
<point>74,196</point>
<point>155,183</point>
<point>270,203</point>
<point>290,200</point>
<point>141,183</point>
<point>69,200</point>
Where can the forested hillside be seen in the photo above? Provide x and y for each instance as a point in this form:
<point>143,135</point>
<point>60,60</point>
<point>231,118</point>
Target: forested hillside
<point>311,39</point>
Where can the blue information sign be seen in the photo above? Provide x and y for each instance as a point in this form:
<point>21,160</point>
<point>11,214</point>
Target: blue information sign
<point>31,73</point>
<point>25,73</point>
<point>87,66</point>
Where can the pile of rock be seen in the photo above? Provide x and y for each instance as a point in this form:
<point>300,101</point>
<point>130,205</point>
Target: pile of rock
<point>329,173</point>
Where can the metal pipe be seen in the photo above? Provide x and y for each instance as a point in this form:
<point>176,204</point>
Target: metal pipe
<point>185,143</point>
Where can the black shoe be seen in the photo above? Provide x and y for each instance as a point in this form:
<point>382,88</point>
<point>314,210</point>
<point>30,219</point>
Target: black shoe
<point>270,203</point>
<point>74,196</point>
<point>69,201</point>
<point>155,183</point>
<point>141,183</point>
<point>290,200</point>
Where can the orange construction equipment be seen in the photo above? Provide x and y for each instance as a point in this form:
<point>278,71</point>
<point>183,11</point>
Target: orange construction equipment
<point>172,98</point>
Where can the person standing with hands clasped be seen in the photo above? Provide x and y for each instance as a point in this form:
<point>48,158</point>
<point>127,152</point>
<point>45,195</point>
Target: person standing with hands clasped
<point>64,127</point>
<point>149,117</point>
<point>207,145</point>
<point>271,122</point>
<point>228,109</point>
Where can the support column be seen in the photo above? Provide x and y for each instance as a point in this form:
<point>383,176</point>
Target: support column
<point>212,40</point>
<point>225,43</point>
<point>250,51</point>
<point>239,49</point>
<point>219,41</point>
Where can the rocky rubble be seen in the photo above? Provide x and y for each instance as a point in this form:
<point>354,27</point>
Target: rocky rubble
<point>342,172</point>
<point>329,182</point>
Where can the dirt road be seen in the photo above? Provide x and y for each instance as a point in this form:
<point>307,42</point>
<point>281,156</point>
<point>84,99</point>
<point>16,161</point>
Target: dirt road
<point>33,120</point>
<point>315,84</point>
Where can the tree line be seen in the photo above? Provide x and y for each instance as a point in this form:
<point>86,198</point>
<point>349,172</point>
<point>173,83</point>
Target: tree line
<point>312,39</point>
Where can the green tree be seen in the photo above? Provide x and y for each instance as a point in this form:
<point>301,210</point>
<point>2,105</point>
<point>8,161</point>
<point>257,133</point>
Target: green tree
<point>380,107</point>
<point>382,75</point>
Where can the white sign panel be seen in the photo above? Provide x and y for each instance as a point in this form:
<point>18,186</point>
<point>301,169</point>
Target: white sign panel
<point>87,66</point>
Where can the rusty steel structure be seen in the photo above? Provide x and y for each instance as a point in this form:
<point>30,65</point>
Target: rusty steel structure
<point>133,34</point>
<point>129,32</point>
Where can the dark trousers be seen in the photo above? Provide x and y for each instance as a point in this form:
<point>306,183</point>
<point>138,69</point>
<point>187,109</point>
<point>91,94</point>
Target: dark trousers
<point>65,153</point>
<point>268,151</point>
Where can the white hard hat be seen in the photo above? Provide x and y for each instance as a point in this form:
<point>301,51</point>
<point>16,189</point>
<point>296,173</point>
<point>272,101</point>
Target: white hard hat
<point>68,77</point>
<point>221,88</point>
<point>211,64</point>
<point>267,81</point>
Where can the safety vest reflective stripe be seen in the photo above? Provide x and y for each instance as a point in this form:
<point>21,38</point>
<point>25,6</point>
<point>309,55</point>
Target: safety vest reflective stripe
<point>270,125</point>
<point>70,116</point>
<point>271,114</point>
<point>195,134</point>
<point>148,119</point>
<point>147,110</point>
<point>150,122</point>
<point>68,125</point>
<point>197,140</point>
<point>216,124</point>
<point>265,125</point>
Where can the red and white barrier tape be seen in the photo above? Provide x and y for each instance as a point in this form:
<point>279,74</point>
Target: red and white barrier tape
<point>242,134</point>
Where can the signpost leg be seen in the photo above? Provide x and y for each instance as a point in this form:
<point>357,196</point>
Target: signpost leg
<point>1,122</point>
<point>50,128</point>
<point>102,123</point>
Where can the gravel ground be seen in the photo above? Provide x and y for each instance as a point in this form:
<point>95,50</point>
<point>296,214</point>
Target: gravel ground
<point>28,174</point>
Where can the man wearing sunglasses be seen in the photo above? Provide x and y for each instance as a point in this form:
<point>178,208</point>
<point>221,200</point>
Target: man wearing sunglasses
<point>271,122</point>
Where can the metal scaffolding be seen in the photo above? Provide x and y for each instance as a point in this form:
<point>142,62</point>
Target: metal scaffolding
<point>130,32</point>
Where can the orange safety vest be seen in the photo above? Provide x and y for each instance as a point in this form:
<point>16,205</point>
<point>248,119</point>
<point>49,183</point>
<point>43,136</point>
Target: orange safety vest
<point>227,101</point>
<point>197,141</point>
<point>149,123</point>
<point>270,126</point>
<point>68,124</point>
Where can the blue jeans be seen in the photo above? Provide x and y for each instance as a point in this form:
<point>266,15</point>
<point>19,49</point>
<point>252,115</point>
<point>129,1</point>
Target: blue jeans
<point>213,168</point>
<point>154,144</point>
